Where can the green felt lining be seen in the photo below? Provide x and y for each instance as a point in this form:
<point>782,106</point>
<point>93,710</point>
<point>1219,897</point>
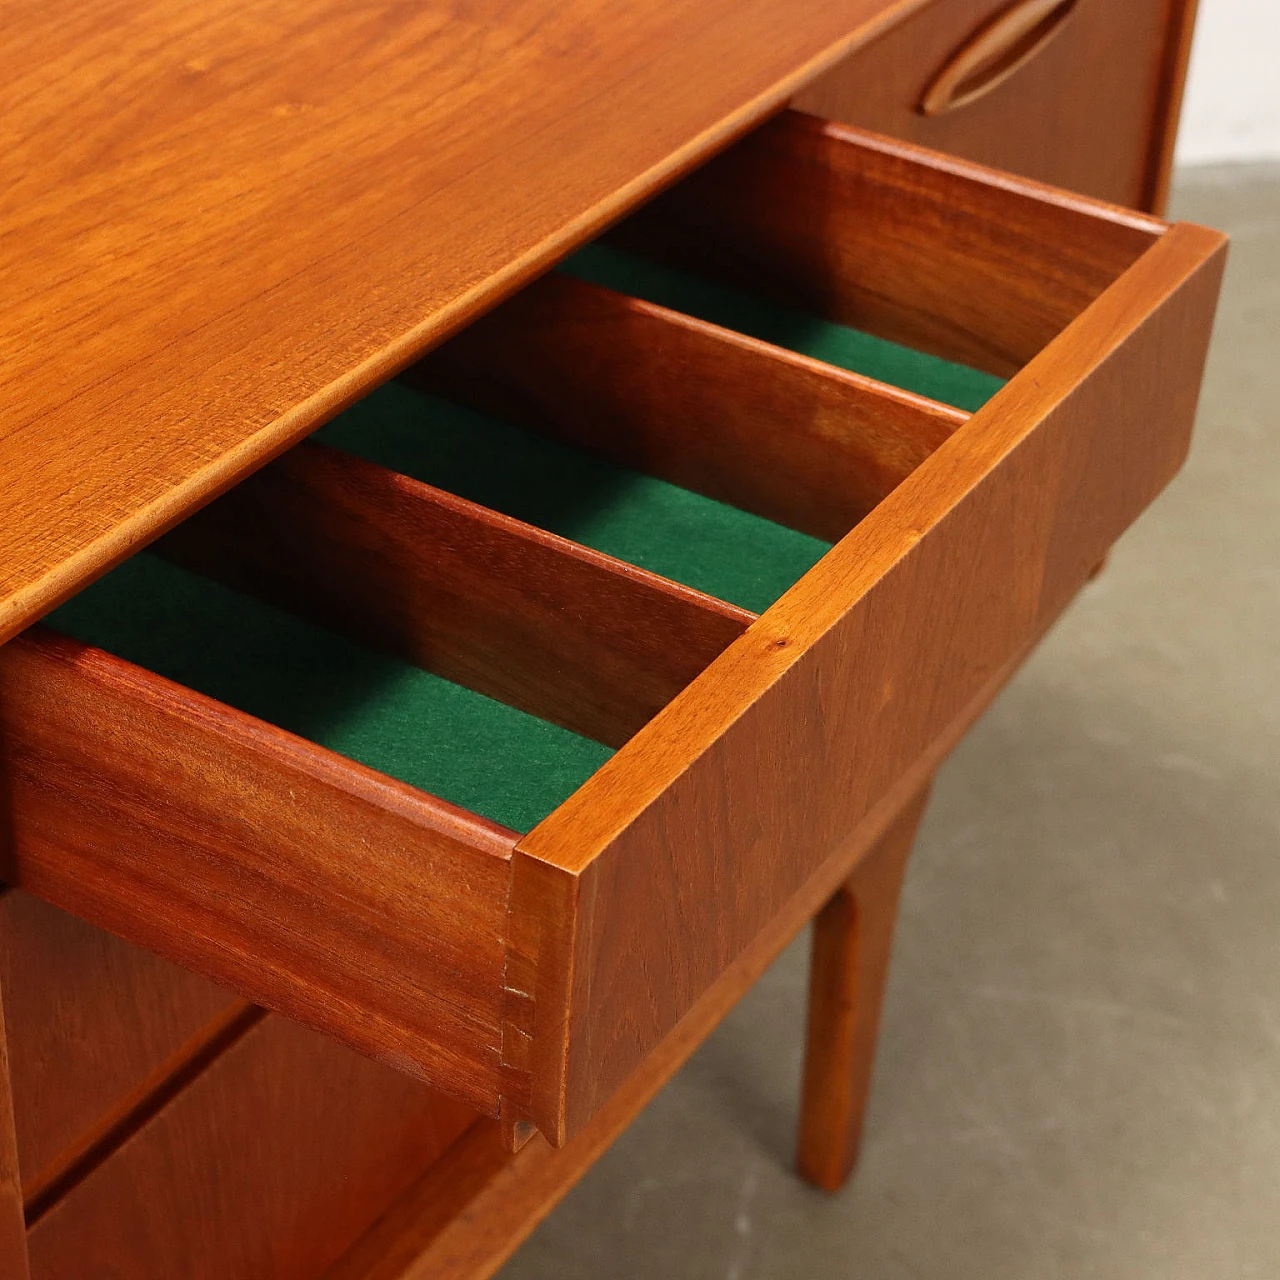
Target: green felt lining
<point>837,344</point>
<point>705,544</point>
<point>682,535</point>
<point>435,735</point>
<point>716,548</point>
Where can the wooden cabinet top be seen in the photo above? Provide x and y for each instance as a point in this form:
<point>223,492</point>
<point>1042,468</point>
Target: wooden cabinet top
<point>222,222</point>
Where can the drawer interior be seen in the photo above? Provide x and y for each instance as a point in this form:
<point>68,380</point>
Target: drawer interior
<point>230,608</point>
<point>792,327</point>
<point>439,736</point>
<point>711,546</point>
<point>959,263</point>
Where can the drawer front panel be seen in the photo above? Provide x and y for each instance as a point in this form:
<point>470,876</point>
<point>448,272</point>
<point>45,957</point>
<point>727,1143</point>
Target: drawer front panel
<point>668,864</point>
<point>94,1024</point>
<point>268,1165</point>
<point>1086,110</point>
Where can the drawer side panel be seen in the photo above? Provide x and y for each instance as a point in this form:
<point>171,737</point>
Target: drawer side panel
<point>665,865</point>
<point>300,880</point>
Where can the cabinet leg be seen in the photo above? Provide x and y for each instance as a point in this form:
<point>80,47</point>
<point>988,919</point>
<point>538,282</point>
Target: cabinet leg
<point>852,938</point>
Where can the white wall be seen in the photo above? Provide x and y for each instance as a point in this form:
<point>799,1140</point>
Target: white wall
<point>1232,107</point>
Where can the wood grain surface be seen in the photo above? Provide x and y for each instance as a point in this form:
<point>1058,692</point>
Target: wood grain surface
<point>226,221</point>
<point>228,846</point>
<point>299,879</point>
<point>471,1211</point>
<point>664,865</point>
<point>268,1165</point>
<point>13,1234</point>
<point>95,1025</point>
<point>1177,60</point>
<point>848,969</point>
<point>787,437</point>
<point>519,614</point>
<point>926,251</point>
<point>1094,111</point>
<point>115,1130</point>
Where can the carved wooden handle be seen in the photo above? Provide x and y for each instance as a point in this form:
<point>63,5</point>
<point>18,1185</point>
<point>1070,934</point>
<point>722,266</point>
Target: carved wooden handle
<point>994,53</point>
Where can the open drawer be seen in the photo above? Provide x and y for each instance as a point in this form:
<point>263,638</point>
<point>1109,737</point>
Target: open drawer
<point>257,802</point>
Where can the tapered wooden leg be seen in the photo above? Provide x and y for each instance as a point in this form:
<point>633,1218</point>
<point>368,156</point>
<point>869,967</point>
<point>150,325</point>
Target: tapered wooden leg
<point>852,938</point>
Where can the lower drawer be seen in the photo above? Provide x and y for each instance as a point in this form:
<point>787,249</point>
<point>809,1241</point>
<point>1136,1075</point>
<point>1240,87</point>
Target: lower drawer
<point>94,1026</point>
<point>268,1165</point>
<point>494,783</point>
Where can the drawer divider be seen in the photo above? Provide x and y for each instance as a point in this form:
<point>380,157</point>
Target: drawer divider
<point>522,615</point>
<point>735,418</point>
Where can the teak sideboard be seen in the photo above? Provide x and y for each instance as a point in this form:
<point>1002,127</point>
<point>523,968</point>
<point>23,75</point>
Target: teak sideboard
<point>710,405</point>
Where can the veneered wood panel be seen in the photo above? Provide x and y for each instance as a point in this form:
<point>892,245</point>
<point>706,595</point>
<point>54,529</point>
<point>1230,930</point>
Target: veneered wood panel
<point>95,1024</point>
<point>663,867</point>
<point>519,614</point>
<point>790,438</point>
<point>1091,111</point>
<point>226,221</point>
<point>268,1165</point>
<point>299,879</point>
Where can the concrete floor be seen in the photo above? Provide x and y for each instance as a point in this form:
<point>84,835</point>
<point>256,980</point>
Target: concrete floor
<point>1079,1072</point>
